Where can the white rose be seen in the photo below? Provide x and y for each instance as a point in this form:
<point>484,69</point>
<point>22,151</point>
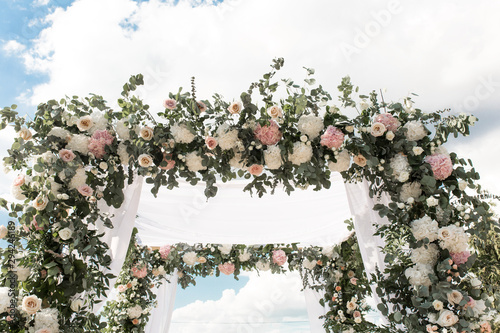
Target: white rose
<point>417,150</point>
<point>275,111</point>
<point>357,320</point>
<point>31,304</point>
<point>308,264</point>
<point>378,129</point>
<point>84,123</point>
<point>462,185</point>
<point>25,134</point>
<point>475,283</point>
<point>76,304</point>
<point>145,160</point>
<point>349,128</point>
<point>245,256</point>
<point>65,233</point>
<point>455,297</point>
<point>40,202</point>
<point>431,201</point>
<point>438,305</point>
<point>364,104</point>
<point>389,135</point>
<point>447,318</point>
<point>146,133</point>
<point>190,258</point>
<point>351,306</point>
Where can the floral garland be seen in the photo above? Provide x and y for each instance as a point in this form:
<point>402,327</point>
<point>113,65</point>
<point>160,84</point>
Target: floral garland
<point>78,151</point>
<point>336,269</point>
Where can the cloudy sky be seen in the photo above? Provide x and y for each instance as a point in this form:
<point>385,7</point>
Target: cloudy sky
<point>447,52</point>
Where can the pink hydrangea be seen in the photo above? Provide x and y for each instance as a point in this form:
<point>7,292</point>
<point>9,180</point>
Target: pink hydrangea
<point>332,138</point>
<point>165,251</point>
<point>139,272</point>
<point>390,123</point>
<point>99,141</point>
<point>441,164</point>
<point>460,257</point>
<point>226,268</point>
<point>268,135</point>
<point>279,257</point>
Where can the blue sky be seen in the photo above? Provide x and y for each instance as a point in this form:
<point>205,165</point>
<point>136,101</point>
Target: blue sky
<point>446,52</point>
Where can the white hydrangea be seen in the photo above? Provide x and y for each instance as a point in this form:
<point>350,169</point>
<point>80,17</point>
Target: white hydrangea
<point>425,254</point>
<point>310,125</point>
<point>49,157</point>
<point>453,238</point>
<point>415,130</point>
<point>225,248</point>
<point>301,153</point>
<point>272,157</point>
<point>410,190</point>
<point>330,252</point>
<point>309,264</point>
<point>100,122</point>
<point>400,167</point>
<point>59,132</point>
<point>181,133</point>
<point>418,275</point>
<point>425,227</point>
<point>193,162</point>
<point>122,129</point>
<point>4,299</point>
<point>245,256</point>
<point>22,273</point>
<point>343,162</point>
<point>123,154</point>
<point>55,188</point>
<point>479,308</point>
<point>48,319</point>
<point>190,258</point>
<point>262,265</point>
<point>227,138</point>
<point>79,143</point>
<point>79,179</point>
<point>134,312</point>
<point>236,162</point>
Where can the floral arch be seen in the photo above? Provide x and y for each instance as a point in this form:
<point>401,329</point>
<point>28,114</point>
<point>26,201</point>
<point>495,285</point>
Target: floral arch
<point>77,156</point>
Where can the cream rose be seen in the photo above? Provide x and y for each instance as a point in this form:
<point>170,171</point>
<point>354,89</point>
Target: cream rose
<point>235,107</point>
<point>455,297</point>
<point>438,305</point>
<point>275,111</point>
<point>3,231</point>
<point>146,133</point>
<point>417,150</point>
<point>145,160</point>
<point>76,304</point>
<point>25,134</point>
<point>349,128</point>
<point>351,306</point>
<point>40,202</point>
<point>65,233</point>
<point>31,304</point>
<point>378,129</point>
<point>447,318</point>
<point>359,160</point>
<point>85,123</point>
<point>389,135</point>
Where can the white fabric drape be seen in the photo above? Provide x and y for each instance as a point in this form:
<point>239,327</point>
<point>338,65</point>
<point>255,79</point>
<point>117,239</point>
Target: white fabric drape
<point>161,316</point>
<point>123,220</point>
<point>315,309</point>
<point>365,219</point>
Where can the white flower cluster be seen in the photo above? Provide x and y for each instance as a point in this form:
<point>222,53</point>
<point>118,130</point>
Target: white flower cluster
<point>194,162</point>
<point>4,299</point>
<point>410,192</point>
<point>425,227</point>
<point>425,254</point>
<point>134,312</point>
<point>310,125</point>
<point>302,153</point>
<point>418,275</point>
<point>122,129</point>
<point>415,130</point>
<point>245,256</point>
<point>190,258</point>
<point>343,162</point>
<point>453,238</point>
<point>59,133</point>
<point>272,157</point>
<point>47,319</point>
<point>79,143</point>
<point>226,138</point>
<point>400,168</point>
<point>79,179</point>
<point>225,249</point>
<point>181,133</point>
<point>237,162</point>
<point>100,122</point>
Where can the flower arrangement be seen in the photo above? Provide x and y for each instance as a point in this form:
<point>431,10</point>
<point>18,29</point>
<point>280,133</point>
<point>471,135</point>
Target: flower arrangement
<point>76,152</point>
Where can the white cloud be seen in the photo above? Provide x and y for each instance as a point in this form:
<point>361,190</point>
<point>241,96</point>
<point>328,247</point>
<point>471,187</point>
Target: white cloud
<point>13,47</point>
<point>260,306</point>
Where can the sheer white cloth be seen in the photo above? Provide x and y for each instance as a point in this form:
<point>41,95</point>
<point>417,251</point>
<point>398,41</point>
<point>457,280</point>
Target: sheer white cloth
<point>161,316</point>
<point>315,309</point>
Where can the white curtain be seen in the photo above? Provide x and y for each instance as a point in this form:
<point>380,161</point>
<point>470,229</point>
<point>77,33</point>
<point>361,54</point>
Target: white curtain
<point>315,309</point>
<point>161,316</point>
<point>365,220</point>
<point>118,238</point>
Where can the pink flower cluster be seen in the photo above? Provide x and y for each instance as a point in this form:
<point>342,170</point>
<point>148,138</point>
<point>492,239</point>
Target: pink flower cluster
<point>441,164</point>
<point>99,141</point>
<point>139,272</point>
<point>226,268</point>
<point>390,123</point>
<point>460,257</point>
<point>333,137</point>
<point>279,257</point>
<point>170,162</point>
<point>165,251</point>
<point>268,135</point>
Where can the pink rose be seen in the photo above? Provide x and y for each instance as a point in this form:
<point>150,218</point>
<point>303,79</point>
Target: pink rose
<point>139,272</point>
<point>201,106</point>
<point>255,169</point>
<point>356,314</point>
<point>390,123</point>
<point>169,104</point>
<point>353,281</point>
<point>18,181</point>
<point>460,257</point>
<point>165,251</point>
<point>85,190</point>
<point>226,268</point>
<point>170,162</point>
<point>441,165</point>
<point>98,142</point>
<point>279,257</point>
<point>211,142</point>
<point>122,287</point>
<point>332,138</point>
<point>66,155</point>
<point>268,135</point>
<point>470,303</point>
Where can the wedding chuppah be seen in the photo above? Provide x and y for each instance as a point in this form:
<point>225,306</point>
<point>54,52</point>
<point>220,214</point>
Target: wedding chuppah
<point>279,179</point>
